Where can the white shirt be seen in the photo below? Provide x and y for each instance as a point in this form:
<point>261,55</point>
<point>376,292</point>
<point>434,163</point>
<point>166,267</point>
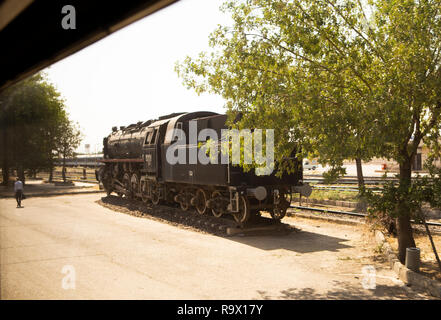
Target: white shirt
<point>18,185</point>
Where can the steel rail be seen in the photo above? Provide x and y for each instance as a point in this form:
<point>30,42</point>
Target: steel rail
<point>351,213</point>
<point>366,182</point>
<point>353,180</point>
<point>329,211</point>
<point>342,188</point>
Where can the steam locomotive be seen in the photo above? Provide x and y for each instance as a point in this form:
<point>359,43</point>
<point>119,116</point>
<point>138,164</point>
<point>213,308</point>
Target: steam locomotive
<point>136,166</point>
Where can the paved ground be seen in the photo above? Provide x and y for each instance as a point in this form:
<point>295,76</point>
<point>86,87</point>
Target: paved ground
<point>39,188</point>
<point>54,243</point>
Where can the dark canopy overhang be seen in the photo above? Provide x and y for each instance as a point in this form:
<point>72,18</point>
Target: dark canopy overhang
<point>32,38</point>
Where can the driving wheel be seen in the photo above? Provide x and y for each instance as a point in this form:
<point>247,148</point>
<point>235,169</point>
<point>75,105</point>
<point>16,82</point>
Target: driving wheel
<point>243,215</point>
<point>216,211</point>
<point>201,201</point>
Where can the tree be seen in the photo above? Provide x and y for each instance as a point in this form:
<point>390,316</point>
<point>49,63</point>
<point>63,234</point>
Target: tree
<point>426,189</point>
<point>69,140</point>
<point>30,115</point>
<point>343,78</point>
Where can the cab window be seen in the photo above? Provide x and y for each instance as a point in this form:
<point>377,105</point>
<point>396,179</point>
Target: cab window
<point>180,135</point>
<point>147,137</point>
<point>154,134</point>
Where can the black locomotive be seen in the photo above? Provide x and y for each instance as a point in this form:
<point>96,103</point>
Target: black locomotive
<point>136,167</point>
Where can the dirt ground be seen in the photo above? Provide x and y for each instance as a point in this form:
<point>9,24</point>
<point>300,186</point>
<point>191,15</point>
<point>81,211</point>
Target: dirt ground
<point>429,266</point>
<point>364,252</point>
<point>120,256</point>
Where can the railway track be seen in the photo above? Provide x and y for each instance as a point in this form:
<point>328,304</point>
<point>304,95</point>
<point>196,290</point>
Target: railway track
<point>346,181</point>
<point>350,180</point>
<point>355,214</point>
<point>342,188</point>
<point>224,225</point>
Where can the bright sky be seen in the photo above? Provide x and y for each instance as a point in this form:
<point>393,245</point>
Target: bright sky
<point>129,76</point>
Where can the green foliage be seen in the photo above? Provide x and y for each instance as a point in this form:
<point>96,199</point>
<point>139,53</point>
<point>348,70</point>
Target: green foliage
<point>430,186</point>
<point>334,195</point>
<point>333,174</point>
<point>32,123</point>
<point>327,75</point>
<point>69,138</point>
<point>422,189</point>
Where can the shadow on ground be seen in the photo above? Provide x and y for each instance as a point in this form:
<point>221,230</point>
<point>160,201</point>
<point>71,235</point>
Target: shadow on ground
<point>294,240</point>
<point>346,291</point>
<point>298,241</point>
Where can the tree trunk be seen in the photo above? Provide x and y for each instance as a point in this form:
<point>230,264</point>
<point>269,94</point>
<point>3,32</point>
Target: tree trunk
<point>51,173</point>
<point>404,228</point>
<point>5,164</point>
<point>359,173</point>
<point>64,169</point>
<point>405,235</point>
<point>21,175</point>
<point>5,175</point>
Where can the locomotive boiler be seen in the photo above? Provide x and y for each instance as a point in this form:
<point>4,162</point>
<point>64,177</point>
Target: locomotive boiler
<point>137,165</point>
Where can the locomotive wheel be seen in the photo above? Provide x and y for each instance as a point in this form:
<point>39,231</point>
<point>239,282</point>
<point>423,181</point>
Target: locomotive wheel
<point>134,184</point>
<point>278,213</point>
<point>201,205</point>
<point>127,187</point>
<point>155,194</point>
<point>155,198</point>
<point>144,196</point>
<point>244,214</point>
<point>216,212</point>
<point>288,196</point>
<point>185,205</point>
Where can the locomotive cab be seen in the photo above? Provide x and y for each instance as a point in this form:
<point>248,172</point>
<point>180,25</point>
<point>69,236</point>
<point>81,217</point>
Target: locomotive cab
<point>150,151</point>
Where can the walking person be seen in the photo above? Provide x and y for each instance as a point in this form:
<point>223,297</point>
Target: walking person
<point>18,189</point>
